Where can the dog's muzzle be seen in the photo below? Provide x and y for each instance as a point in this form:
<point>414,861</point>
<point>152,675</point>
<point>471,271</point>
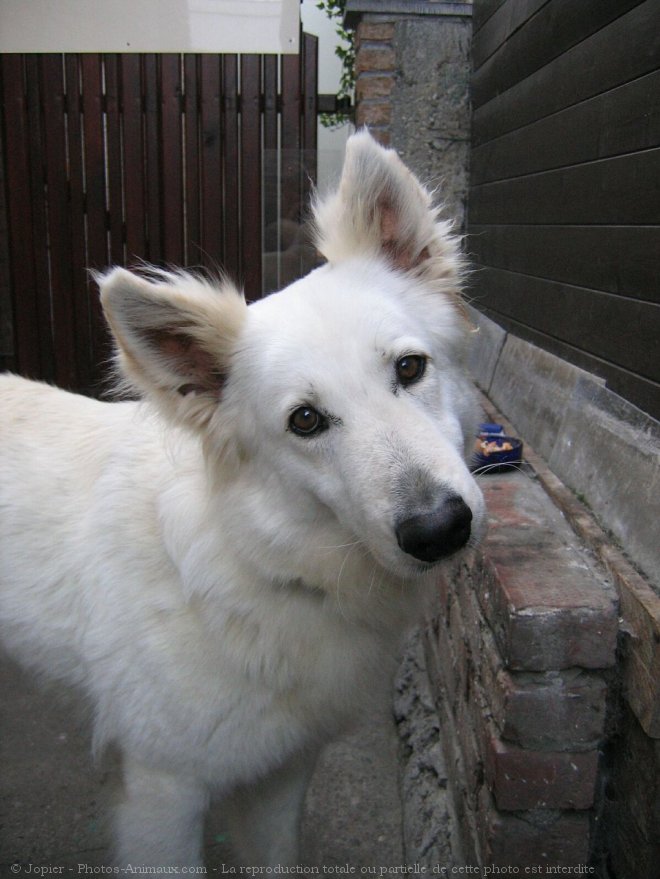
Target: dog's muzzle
<point>437,534</point>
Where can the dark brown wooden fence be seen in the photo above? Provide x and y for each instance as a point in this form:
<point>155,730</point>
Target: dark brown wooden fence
<point>565,199</point>
<point>186,160</point>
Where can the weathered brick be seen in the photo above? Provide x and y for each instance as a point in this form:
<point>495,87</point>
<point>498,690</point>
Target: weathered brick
<point>546,613</point>
<point>463,646</point>
<point>373,58</point>
<point>521,779</point>
<point>470,748</point>
<point>515,623</point>
<point>632,855</point>
<point>461,669</point>
<point>553,710</point>
<point>441,663</point>
<point>545,837</point>
<point>444,592</point>
<point>375,30</point>
<point>373,86</point>
<point>373,113</point>
<point>463,797</point>
<point>642,692</point>
<point>640,607</point>
<point>640,604</point>
<point>635,778</point>
<point>469,732</point>
<point>548,606</point>
<point>550,711</point>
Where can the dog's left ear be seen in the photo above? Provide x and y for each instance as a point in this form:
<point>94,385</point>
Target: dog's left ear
<point>175,335</point>
<point>380,208</point>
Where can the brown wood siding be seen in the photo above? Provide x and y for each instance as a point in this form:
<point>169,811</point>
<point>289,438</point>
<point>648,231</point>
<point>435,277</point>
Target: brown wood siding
<point>564,208</point>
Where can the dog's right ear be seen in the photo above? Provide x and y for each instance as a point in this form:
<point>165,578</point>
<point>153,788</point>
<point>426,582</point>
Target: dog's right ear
<point>175,336</point>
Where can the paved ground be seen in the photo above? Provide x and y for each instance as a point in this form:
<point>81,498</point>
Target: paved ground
<point>53,797</point>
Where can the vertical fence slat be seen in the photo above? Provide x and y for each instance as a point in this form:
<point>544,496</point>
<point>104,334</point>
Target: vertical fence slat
<point>291,137</point>
<point>154,252</point>
<point>271,202</point>
<point>270,89</point>
<point>36,145</point>
<point>94,159</point>
<point>115,204</point>
<point>310,106</point>
<point>172,158</point>
<point>291,196</point>
<point>191,175</point>
<point>231,207</point>
<point>133,154</point>
<point>251,174</point>
<point>59,225</point>
<point>20,216</point>
<point>309,153</point>
<point>310,55</point>
<point>95,181</point>
<point>211,196</point>
<point>81,293</point>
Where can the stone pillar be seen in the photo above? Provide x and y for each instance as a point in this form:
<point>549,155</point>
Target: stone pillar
<point>412,87</point>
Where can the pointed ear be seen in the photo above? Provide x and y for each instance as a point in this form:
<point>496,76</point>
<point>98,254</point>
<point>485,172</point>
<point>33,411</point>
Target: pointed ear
<point>380,208</point>
<point>175,335</point>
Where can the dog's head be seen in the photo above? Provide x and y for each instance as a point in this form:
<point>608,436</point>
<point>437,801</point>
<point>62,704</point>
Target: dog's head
<point>338,406</point>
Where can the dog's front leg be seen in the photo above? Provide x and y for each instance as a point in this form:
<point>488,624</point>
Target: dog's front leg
<point>265,817</point>
<point>159,821</point>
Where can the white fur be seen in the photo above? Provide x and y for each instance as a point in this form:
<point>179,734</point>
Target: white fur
<point>228,594</point>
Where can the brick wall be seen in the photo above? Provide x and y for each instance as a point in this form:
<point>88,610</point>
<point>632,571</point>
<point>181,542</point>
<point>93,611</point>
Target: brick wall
<point>578,425</point>
<point>518,655</point>
<point>375,65</point>
<point>541,656</point>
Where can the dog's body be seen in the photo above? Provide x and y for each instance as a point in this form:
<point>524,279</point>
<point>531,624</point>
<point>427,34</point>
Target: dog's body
<point>225,567</point>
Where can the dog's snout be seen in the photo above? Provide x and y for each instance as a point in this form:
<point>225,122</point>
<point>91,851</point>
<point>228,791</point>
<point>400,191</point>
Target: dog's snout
<point>432,536</point>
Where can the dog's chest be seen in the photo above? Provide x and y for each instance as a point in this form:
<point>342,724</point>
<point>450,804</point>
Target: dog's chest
<point>271,687</point>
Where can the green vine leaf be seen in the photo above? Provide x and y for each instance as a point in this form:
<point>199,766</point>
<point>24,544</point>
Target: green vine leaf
<point>345,51</point>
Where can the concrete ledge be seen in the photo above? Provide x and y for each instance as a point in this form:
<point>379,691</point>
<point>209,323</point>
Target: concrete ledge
<point>544,599</point>
<point>604,448</point>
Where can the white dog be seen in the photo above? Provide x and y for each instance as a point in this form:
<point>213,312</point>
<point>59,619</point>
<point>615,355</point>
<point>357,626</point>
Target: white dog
<point>225,566</point>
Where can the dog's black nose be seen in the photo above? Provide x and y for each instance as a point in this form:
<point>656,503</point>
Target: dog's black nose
<point>432,536</point>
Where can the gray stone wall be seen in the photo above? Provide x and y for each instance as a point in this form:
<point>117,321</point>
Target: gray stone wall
<point>412,89</point>
<point>430,125</point>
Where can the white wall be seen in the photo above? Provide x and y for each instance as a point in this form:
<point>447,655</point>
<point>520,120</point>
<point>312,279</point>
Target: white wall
<point>149,26</point>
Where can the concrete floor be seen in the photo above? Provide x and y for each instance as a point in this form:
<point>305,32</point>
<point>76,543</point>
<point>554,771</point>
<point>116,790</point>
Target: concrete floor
<point>53,798</point>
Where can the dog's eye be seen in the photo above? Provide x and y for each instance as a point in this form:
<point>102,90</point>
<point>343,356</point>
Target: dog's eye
<point>306,421</point>
<point>410,368</point>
